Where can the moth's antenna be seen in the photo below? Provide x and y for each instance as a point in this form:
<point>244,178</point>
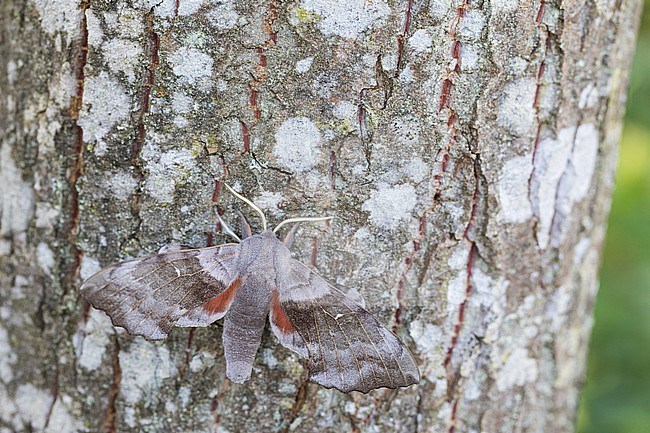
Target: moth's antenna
<point>225,227</point>
<point>248,202</point>
<point>298,220</point>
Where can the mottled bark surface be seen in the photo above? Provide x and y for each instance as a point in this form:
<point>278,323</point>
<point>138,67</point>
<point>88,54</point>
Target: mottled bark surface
<point>467,150</point>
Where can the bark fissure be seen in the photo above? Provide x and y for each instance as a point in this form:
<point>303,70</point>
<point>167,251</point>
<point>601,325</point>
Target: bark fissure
<point>71,227</point>
<point>109,422</point>
<point>152,47</point>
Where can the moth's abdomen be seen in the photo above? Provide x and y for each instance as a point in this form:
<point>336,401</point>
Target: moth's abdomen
<point>243,327</point>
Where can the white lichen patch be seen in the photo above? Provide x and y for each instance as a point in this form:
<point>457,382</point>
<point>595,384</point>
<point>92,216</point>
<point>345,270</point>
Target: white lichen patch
<point>344,110</point>
<point>89,267</point>
<point>438,8</point>
<point>128,23</point>
<point>304,65</point>
<point>416,169</point>
<point>162,8</point>
<point>144,366</point>
<point>588,96</point>
<point>7,357</point>
<point>32,405</point>
<point>59,16</point>
<point>270,202</point>
<point>181,103</point>
<point>93,26</point>
<point>514,204</point>
<point>45,257</point>
<point>517,370</point>
<point>469,57</point>
<point>430,344</point>
<point>391,205</point>
<point>223,15</point>
<point>297,144</point>
<point>347,19</point>
<point>91,341</point>
<point>61,420</point>
<point>123,56</point>
<point>516,111</point>
<point>576,179</point>
<point>17,202</point>
<point>120,185</point>
<point>550,162</point>
<point>472,24</point>
<point>166,170</point>
<point>201,361</point>
<point>192,66</point>
<point>456,291</point>
<point>8,408</point>
<point>105,104</point>
<point>184,394</point>
<point>564,168</point>
<point>46,215</point>
<point>421,41</point>
<point>189,7</point>
<point>504,6</point>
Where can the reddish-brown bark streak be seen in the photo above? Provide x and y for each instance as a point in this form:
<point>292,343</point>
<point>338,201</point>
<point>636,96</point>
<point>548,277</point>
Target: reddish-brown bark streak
<point>108,424</point>
<point>332,170</point>
<point>214,407</point>
<point>443,154</point>
<point>402,37</point>
<point>538,88</point>
<point>72,272</point>
<point>145,101</point>
<point>188,352</point>
<point>301,399</point>
<point>458,326</point>
<point>454,409</point>
<point>246,138</point>
<point>314,252</point>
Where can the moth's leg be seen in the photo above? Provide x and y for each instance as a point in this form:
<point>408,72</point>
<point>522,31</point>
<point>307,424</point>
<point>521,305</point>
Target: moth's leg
<point>245,226</point>
<point>288,239</point>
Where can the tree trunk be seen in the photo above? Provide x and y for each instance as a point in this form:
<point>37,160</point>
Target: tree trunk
<point>466,149</point>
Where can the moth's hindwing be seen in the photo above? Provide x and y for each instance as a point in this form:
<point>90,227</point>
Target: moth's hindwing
<point>148,296</point>
<point>346,347</point>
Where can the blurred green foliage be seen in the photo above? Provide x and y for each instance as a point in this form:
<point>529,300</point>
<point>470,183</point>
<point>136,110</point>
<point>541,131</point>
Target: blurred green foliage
<point>616,397</point>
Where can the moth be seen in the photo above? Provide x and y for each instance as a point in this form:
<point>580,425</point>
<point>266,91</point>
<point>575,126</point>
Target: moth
<point>345,346</point>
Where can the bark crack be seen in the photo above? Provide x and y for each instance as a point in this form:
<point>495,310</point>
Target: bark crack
<point>77,169</point>
<point>443,154</point>
<point>152,48</point>
<point>108,424</point>
<point>453,374</point>
<point>550,41</point>
<point>301,399</point>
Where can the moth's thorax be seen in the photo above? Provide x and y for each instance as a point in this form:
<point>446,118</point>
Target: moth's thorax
<point>259,251</point>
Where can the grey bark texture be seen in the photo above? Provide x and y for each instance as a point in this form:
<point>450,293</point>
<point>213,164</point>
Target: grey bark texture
<point>467,150</point>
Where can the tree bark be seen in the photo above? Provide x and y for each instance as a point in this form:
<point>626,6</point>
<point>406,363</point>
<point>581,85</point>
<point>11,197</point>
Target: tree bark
<point>466,149</point>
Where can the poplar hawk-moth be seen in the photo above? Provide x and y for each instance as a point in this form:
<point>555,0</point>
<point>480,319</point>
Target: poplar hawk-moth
<point>345,346</point>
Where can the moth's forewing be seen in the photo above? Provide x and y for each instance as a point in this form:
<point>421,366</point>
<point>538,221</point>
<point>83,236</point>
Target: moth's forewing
<point>148,296</point>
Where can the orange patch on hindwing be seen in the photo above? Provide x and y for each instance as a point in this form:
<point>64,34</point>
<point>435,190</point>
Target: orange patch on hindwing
<point>278,316</point>
<point>221,302</point>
